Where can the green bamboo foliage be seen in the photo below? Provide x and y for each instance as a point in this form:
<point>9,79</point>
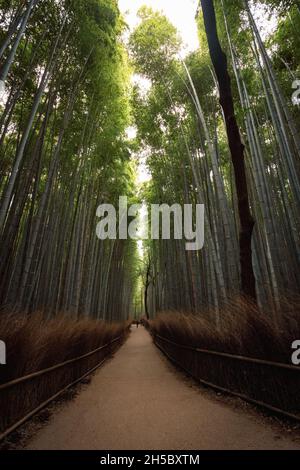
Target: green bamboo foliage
<point>182,125</point>
<point>63,152</point>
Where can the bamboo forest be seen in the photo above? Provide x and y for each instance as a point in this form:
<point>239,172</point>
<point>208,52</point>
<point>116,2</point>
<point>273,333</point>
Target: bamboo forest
<point>96,107</point>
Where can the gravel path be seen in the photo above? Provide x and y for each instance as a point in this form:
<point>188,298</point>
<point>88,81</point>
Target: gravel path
<point>139,401</point>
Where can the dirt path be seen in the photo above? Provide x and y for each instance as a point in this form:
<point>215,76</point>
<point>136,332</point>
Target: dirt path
<point>139,401</point>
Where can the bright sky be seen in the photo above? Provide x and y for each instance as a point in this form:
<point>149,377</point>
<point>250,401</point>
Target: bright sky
<point>181,13</point>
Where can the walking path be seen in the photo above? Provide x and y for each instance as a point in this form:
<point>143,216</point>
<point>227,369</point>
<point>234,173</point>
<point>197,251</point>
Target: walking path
<point>139,401</point>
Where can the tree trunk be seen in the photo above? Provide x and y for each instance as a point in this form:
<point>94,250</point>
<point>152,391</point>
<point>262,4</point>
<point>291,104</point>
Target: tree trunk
<point>146,289</point>
<point>7,65</point>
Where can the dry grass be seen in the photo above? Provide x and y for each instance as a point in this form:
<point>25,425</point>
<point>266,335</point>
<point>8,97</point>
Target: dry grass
<point>34,343</point>
<point>244,330</point>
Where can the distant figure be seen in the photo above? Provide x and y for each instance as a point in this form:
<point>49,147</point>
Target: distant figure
<point>136,322</point>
